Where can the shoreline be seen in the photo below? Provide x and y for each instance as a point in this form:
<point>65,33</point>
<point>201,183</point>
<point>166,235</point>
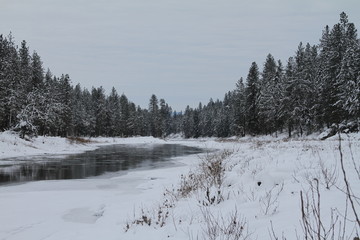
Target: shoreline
<point>96,208</point>
<point>12,146</point>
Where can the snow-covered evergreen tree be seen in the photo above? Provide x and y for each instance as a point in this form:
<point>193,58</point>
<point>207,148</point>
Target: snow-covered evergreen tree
<point>79,113</point>
<point>124,116</point>
<point>113,114</point>
<point>12,92</point>
<point>301,88</point>
<point>349,76</point>
<point>333,46</point>
<point>165,118</point>
<point>99,108</point>
<point>154,117</point>
<point>188,123</point>
<point>267,97</point>
<point>239,122</point>
<point>287,105</point>
<point>252,99</point>
<point>37,81</point>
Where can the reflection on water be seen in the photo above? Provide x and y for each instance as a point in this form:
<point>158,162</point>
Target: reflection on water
<point>93,163</point>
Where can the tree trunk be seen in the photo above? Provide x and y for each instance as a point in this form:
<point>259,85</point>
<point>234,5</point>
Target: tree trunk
<point>289,129</point>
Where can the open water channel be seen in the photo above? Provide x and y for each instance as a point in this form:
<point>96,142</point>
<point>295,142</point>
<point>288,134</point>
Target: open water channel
<point>99,162</point>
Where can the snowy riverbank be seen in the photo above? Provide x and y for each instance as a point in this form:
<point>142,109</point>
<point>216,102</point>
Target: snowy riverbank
<point>11,145</point>
<point>261,180</point>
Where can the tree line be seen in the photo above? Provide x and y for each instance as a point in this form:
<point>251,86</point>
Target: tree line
<point>317,88</point>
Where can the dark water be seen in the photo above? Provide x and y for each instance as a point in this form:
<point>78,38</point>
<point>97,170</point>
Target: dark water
<point>106,159</point>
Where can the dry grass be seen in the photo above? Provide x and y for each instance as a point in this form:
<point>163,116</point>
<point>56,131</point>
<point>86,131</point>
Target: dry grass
<point>226,140</point>
<point>79,140</point>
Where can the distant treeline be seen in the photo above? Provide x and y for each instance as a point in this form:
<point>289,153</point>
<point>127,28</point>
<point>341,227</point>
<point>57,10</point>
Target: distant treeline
<point>319,87</point>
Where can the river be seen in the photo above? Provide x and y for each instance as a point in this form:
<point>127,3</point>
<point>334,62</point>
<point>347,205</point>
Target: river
<point>99,162</point>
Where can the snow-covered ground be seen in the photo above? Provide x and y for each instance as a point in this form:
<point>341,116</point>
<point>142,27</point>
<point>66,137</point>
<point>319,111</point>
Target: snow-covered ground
<point>11,145</point>
<point>258,187</point>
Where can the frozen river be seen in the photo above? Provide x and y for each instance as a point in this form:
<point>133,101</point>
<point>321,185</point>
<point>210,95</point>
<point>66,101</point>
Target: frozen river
<point>100,162</point>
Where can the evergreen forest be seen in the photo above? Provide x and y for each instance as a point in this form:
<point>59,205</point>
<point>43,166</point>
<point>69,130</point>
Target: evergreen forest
<point>317,88</point>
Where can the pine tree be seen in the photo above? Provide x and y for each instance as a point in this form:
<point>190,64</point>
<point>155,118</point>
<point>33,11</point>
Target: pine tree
<point>79,114</point>
<point>99,108</point>
<point>223,116</point>
<point>207,119</point>
<point>90,109</point>
<point>154,117</point>
<point>313,91</point>
<point>37,72</point>
<point>141,123</point>
<point>12,91</point>
<point>165,118</point>
<point>196,128</point>
<point>113,114</point>
<point>188,123</point>
<point>333,46</point>
<point>65,97</point>
<point>32,115</point>
<point>176,122</point>
<point>52,107</point>
<point>252,100</point>
<point>349,76</point>
<point>300,89</point>
<point>287,104</point>
<point>239,123</point>
<point>124,116</point>
<point>6,70</point>
<point>267,95</point>
<point>132,118</point>
<point>25,68</point>
<point>278,98</point>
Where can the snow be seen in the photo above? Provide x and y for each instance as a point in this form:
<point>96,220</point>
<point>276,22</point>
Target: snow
<point>11,145</point>
<point>101,208</point>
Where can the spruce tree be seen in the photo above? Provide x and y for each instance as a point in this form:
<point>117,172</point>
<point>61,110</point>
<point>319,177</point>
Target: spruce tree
<point>333,47</point>
<point>37,72</point>
<point>99,106</point>
<point>267,96</point>
<point>113,113</point>
<point>188,123</point>
<point>25,68</point>
<point>165,118</point>
<point>154,117</point>
<point>79,114</point>
<point>65,98</point>
<point>252,100</point>
<point>287,104</point>
<point>349,76</point>
<point>239,124</point>
<point>124,116</point>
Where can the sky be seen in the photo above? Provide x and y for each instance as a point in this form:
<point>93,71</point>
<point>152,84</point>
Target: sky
<point>185,51</point>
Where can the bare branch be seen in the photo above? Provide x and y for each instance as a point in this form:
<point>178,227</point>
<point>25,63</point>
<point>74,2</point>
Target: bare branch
<point>348,188</point>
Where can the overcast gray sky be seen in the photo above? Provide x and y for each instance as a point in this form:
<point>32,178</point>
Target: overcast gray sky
<point>184,51</point>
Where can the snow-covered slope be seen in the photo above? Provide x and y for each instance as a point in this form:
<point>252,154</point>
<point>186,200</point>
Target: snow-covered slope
<point>256,194</point>
<point>11,145</point>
